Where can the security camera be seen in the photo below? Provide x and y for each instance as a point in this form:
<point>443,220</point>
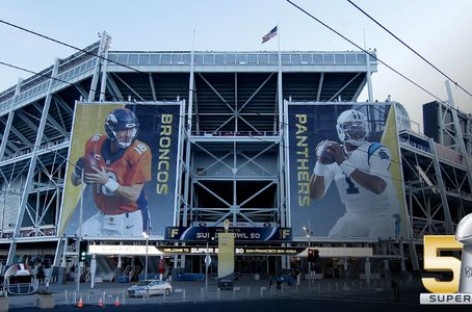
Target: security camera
<point>464,235</point>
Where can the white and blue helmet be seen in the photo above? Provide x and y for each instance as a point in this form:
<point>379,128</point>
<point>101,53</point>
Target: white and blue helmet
<point>352,127</point>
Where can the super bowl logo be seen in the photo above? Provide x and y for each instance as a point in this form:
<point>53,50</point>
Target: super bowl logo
<point>457,290</point>
<point>468,271</point>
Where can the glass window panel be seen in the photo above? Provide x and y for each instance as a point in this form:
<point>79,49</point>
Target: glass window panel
<point>230,58</point>
<point>328,58</point>
<point>133,59</point>
<point>186,58</point>
<point>219,58</point>
<point>198,58</point>
<point>209,59</point>
<point>176,58</point>
<point>350,59</point>
<point>144,59</point>
<point>362,58</point>
<point>165,58</point>
<point>340,59</point>
<point>306,58</point>
<point>273,58</point>
<point>155,58</point>
<point>295,58</point>
<point>252,58</point>
<point>263,58</point>
<point>123,58</point>
<point>241,58</point>
<point>89,64</point>
<point>286,58</point>
<point>112,57</point>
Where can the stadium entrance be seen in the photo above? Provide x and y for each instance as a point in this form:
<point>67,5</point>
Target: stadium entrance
<point>251,266</point>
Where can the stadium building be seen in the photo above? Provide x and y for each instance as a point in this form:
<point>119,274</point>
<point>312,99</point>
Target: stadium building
<point>238,157</point>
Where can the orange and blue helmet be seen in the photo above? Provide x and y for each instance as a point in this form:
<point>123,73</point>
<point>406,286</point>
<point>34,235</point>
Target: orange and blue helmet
<point>121,119</point>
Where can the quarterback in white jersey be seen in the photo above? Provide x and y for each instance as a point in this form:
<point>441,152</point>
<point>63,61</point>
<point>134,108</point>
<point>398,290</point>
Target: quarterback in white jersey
<point>361,172</point>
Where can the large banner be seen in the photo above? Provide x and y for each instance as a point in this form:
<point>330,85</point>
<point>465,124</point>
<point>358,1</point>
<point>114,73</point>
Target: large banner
<point>225,257</point>
<point>344,171</point>
<point>129,155</point>
<point>197,233</point>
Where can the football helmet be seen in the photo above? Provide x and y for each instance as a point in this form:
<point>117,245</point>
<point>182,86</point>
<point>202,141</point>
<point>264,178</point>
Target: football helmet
<point>352,127</point>
<point>121,119</point>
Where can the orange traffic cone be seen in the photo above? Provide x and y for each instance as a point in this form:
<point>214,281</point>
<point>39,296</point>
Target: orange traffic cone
<point>80,304</point>
<point>117,302</point>
<point>100,302</point>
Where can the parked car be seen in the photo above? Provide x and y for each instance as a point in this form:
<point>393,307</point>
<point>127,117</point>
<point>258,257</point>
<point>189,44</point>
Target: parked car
<point>225,284</point>
<point>150,288</point>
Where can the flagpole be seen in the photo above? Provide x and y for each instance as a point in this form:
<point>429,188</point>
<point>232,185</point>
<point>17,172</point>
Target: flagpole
<point>278,39</point>
<point>369,73</point>
<point>285,261</point>
<point>279,76</point>
<point>271,34</point>
<point>191,83</point>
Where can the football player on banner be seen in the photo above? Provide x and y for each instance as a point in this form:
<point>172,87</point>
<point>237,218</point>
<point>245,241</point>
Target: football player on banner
<point>116,166</point>
<point>360,170</point>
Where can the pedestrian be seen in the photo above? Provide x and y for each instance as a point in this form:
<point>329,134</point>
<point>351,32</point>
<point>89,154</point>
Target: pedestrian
<point>395,290</point>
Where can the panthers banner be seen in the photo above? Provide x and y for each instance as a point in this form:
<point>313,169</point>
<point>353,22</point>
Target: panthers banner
<point>344,170</point>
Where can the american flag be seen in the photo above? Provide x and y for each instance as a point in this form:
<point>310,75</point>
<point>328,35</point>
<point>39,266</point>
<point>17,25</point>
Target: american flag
<point>271,34</point>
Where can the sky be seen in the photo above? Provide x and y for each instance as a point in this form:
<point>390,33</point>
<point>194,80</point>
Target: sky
<point>439,30</point>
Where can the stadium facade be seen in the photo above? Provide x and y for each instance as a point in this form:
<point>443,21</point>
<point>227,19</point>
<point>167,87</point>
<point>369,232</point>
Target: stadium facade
<point>232,163</point>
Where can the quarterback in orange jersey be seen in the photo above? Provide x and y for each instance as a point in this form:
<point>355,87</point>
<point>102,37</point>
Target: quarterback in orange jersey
<point>116,167</point>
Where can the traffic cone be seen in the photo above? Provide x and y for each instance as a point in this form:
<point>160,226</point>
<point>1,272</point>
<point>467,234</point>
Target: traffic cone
<point>100,302</point>
<point>117,302</point>
<point>80,304</point>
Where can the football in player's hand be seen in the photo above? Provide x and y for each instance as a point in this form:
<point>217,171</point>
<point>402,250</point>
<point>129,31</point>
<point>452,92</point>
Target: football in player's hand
<point>90,162</point>
<point>326,151</point>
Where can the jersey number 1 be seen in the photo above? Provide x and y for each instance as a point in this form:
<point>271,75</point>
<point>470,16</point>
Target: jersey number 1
<point>351,187</point>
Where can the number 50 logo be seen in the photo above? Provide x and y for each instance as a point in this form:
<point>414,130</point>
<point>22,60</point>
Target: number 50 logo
<point>434,262</point>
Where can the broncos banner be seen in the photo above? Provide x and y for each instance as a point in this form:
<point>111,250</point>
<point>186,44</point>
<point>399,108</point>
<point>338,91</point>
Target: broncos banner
<point>129,155</point>
<point>358,193</point>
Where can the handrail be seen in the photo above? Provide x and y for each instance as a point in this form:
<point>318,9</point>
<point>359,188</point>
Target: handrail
<point>239,58</point>
<point>235,133</point>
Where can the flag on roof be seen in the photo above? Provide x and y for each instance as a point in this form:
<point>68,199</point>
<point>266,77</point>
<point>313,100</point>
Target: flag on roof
<point>271,34</point>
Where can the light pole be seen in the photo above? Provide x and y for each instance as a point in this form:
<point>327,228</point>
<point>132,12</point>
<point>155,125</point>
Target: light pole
<point>146,236</point>
<point>308,234</point>
<point>207,264</point>
<point>79,238</point>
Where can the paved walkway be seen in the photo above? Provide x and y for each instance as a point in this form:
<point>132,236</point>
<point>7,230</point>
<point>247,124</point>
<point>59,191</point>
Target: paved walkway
<point>115,293</point>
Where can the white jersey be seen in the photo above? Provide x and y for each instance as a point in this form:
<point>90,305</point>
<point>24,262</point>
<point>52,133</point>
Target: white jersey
<point>372,158</point>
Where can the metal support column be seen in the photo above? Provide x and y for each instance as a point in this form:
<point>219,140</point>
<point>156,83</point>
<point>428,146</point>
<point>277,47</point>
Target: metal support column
<point>32,165</point>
